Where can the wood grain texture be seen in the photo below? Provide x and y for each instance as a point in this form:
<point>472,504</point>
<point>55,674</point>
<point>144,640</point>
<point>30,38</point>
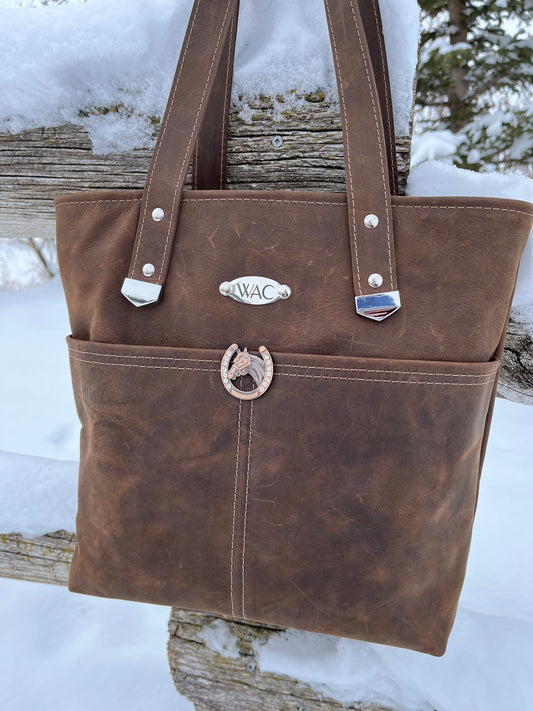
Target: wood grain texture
<point>231,678</point>
<point>516,379</point>
<point>38,165</point>
<point>44,559</point>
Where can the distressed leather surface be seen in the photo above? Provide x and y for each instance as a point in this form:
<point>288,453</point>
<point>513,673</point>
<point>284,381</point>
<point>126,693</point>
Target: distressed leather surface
<point>351,519</point>
<point>342,500</point>
<point>457,264</point>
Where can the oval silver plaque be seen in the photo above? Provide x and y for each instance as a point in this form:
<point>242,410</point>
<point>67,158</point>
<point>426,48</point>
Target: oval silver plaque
<point>255,290</point>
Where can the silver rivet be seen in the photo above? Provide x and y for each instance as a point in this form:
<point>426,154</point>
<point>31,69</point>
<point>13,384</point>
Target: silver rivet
<point>277,141</point>
<point>375,280</point>
<point>284,291</point>
<point>371,221</point>
<point>250,667</point>
<point>148,270</point>
<point>158,214</point>
<point>225,288</point>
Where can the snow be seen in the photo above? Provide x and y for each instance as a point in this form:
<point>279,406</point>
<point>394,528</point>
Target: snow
<point>65,652</point>
<point>219,637</point>
<point>47,501</point>
<point>20,266</point>
<point>487,668</point>
<point>41,420</point>
<point>60,59</point>
<point>435,145</point>
<point>435,178</point>
<point>70,640</point>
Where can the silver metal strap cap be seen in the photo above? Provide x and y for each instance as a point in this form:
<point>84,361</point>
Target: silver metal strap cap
<point>141,293</point>
<point>378,306</point>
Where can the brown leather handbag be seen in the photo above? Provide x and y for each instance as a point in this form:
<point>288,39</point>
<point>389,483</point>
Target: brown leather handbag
<point>285,396</point>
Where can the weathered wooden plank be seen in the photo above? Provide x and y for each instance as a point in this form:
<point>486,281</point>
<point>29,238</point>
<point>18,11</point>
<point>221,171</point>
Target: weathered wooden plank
<point>43,559</point>
<point>214,680</point>
<point>37,165</point>
<point>516,379</point>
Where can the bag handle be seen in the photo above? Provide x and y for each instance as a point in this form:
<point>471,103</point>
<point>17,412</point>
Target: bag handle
<point>209,161</point>
<point>368,191</point>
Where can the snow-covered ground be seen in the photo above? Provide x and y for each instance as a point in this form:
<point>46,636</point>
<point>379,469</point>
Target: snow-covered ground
<point>61,651</point>
<point>65,652</point>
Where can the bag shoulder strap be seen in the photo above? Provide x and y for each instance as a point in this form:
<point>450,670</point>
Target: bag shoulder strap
<point>368,195</point>
<point>209,162</point>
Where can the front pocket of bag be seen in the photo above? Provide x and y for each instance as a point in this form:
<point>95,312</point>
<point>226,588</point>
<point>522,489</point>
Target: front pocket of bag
<point>157,471</point>
<point>361,491</point>
<point>340,501</point>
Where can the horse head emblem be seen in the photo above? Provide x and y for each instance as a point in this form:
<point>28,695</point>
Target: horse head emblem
<point>236,363</point>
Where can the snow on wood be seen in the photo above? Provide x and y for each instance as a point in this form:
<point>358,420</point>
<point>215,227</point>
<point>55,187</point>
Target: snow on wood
<point>60,62</point>
<point>43,559</point>
<point>217,681</point>
<point>39,164</point>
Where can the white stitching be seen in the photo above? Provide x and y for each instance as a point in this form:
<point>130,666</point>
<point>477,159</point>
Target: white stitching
<point>465,207</point>
<point>290,375</point>
<point>138,365</point>
<point>380,147</point>
<point>235,507</point>
<point>383,380</point>
<point>183,166</point>
<point>341,203</point>
<point>73,353</point>
<point>140,357</point>
<point>196,151</point>
<point>379,370</point>
<point>254,199</point>
<point>388,101</point>
<point>160,141</point>
<point>226,108</point>
<point>347,142</point>
<point>90,201</point>
<point>246,500</point>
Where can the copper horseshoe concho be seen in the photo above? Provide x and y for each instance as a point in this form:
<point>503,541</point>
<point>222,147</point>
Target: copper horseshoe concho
<point>236,363</point>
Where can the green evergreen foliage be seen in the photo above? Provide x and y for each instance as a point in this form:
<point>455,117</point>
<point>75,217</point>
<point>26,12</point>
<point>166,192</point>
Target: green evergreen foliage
<point>476,79</point>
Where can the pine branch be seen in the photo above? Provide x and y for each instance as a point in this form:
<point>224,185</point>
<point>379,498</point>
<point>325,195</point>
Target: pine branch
<point>490,83</point>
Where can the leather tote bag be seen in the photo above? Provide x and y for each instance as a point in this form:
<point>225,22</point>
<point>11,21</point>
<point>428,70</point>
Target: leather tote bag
<point>285,396</point>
